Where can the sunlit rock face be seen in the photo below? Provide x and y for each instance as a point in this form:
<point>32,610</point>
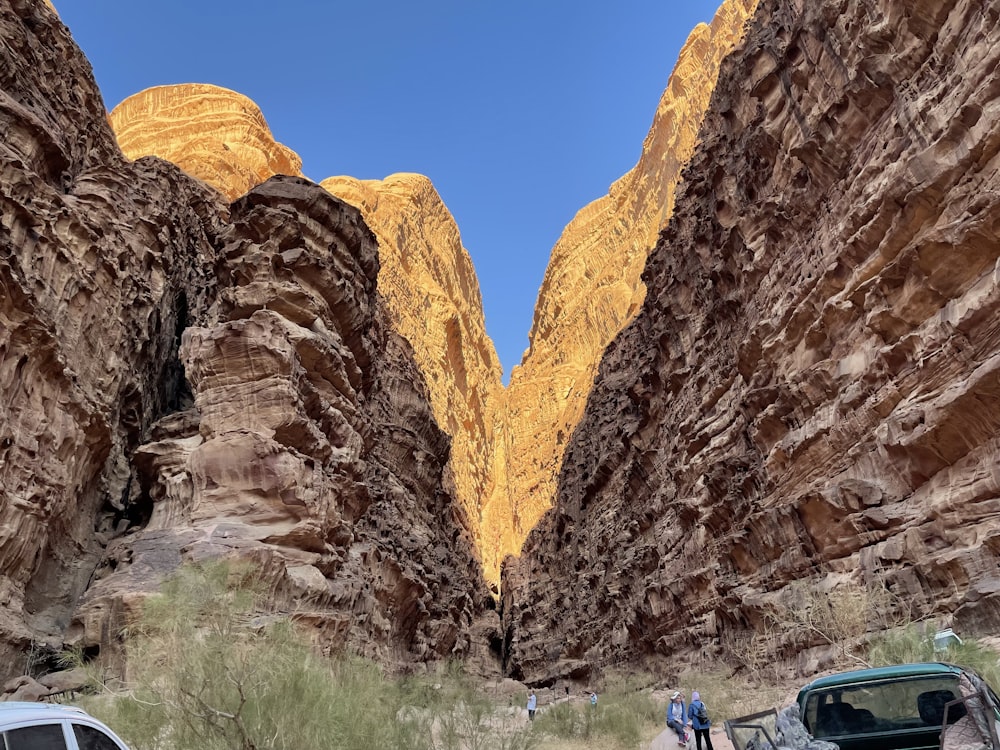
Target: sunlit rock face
<point>215,134</point>
<point>592,287</point>
<point>506,445</point>
<point>432,293</point>
<point>183,378</point>
<point>811,390</point>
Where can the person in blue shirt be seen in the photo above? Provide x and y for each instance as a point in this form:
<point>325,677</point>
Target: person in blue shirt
<point>698,716</point>
<point>677,717</point>
<point>532,705</point>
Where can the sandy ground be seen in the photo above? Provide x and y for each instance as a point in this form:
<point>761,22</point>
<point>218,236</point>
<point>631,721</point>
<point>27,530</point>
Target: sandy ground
<point>667,740</point>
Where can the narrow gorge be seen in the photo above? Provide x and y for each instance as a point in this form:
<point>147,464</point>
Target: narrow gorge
<point>768,356</point>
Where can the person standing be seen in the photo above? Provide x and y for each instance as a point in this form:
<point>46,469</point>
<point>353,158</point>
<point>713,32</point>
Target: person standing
<point>532,705</point>
<point>698,716</point>
<point>677,717</point>
<point>593,700</point>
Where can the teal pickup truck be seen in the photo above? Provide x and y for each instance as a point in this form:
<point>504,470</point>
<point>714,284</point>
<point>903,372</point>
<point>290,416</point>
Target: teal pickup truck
<point>902,707</point>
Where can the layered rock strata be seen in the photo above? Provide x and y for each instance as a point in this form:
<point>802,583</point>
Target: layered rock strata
<point>99,270</point>
<point>592,288</point>
<point>183,379</point>
<point>426,275</point>
<point>309,447</point>
<point>506,445</point>
<point>215,134</point>
<point>433,297</point>
<point>810,391</point>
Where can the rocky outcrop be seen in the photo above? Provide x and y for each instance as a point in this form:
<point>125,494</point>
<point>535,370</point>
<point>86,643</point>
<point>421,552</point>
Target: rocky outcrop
<point>506,445</point>
<point>214,134</point>
<point>426,275</point>
<point>810,392</point>
<point>433,297</point>
<point>592,288</point>
<point>101,262</point>
<point>309,446</point>
<point>185,379</point>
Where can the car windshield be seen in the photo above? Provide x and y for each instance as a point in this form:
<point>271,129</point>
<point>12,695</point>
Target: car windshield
<point>896,704</point>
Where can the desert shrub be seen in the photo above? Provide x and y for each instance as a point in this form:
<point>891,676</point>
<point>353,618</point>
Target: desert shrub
<point>915,643</point>
<point>205,671</point>
<point>623,718</point>
<point>208,668</point>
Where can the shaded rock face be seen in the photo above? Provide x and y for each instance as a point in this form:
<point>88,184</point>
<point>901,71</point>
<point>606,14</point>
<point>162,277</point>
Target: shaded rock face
<point>98,272</point>
<point>433,298</point>
<point>309,446</point>
<point>591,289</point>
<point>810,391</point>
<point>184,379</point>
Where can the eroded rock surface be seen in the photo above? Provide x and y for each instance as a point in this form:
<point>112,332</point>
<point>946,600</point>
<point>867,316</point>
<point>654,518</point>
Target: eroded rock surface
<point>185,379</point>
<point>214,134</point>
<point>309,445</point>
<point>433,297</point>
<point>810,391</point>
<point>592,288</point>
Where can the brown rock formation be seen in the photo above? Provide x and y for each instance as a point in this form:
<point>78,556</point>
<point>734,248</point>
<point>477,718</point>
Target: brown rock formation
<point>592,288</point>
<point>506,447</point>
<point>432,293</point>
<point>301,436</point>
<point>213,133</point>
<point>97,271</point>
<point>810,391</point>
<point>310,445</point>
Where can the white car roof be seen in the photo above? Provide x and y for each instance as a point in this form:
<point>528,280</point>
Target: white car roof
<point>12,711</point>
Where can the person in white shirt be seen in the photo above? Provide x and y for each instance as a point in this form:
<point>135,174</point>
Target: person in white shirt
<point>677,717</point>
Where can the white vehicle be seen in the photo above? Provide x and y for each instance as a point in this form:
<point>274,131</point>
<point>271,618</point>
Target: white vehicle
<point>49,726</point>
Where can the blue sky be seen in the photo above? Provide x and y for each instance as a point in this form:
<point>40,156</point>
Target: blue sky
<point>520,112</point>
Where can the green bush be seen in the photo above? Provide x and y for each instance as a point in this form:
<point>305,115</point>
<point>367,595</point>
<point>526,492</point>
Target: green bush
<point>205,671</point>
<point>209,669</point>
<point>915,643</point>
<point>622,719</point>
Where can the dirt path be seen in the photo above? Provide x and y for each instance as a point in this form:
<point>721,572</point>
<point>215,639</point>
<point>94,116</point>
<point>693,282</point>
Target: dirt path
<point>667,740</point>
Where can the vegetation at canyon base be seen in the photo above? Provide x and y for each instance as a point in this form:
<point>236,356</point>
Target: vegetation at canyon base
<point>206,669</point>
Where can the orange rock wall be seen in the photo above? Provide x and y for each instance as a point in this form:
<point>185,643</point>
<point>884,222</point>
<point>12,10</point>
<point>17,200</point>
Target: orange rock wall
<point>592,288</point>
<point>215,134</point>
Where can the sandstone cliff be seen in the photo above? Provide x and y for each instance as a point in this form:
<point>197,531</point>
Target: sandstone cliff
<point>215,134</point>
<point>506,445</point>
<point>592,288</point>
<point>183,378</point>
<point>810,391</point>
<point>433,297</point>
<point>426,276</point>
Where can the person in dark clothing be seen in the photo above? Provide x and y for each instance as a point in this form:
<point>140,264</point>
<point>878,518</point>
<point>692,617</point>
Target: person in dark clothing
<point>698,716</point>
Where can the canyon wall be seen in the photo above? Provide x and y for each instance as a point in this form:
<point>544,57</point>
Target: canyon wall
<point>426,275</point>
<point>185,378</point>
<point>506,445</point>
<point>592,288</point>
<point>433,297</point>
<point>234,364</point>
<point>811,391</point>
